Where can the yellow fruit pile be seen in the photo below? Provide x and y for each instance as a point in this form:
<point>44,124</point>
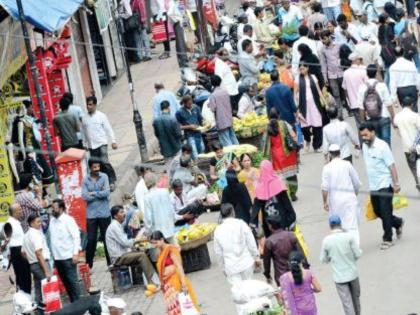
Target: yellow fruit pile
<point>150,290</point>
<point>250,120</point>
<point>194,232</point>
<point>264,81</point>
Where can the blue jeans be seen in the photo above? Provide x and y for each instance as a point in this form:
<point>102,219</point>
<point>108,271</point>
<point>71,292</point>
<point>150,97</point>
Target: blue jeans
<point>383,129</point>
<point>332,12</point>
<point>227,137</point>
<point>197,144</point>
<point>143,44</point>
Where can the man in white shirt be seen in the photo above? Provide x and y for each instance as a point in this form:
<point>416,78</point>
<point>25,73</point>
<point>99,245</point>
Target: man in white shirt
<point>246,103</point>
<point>303,39</point>
<point>98,133</point>
<point>248,33</point>
<point>339,133</point>
<point>15,242</point>
<point>223,70</point>
<point>366,27</point>
<point>141,190</point>
<point>36,251</point>
<point>346,33</point>
<point>235,247</point>
<point>408,123</point>
<point>182,204</point>
<point>366,50</point>
<point>340,187</point>
<point>65,247</point>
<point>404,79</point>
<point>382,123</point>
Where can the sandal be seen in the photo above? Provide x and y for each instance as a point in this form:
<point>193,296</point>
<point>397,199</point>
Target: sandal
<point>164,55</point>
<point>386,245</point>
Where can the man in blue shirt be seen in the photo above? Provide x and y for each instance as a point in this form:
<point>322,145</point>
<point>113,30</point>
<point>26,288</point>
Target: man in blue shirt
<point>164,95</point>
<point>383,181</point>
<point>189,116</point>
<point>280,97</point>
<point>95,191</point>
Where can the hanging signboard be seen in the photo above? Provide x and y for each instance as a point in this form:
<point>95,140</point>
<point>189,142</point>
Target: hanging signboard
<point>103,14</point>
<point>12,49</point>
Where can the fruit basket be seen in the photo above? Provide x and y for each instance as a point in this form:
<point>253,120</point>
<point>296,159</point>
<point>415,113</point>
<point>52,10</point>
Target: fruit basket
<point>193,236</point>
<point>196,243</point>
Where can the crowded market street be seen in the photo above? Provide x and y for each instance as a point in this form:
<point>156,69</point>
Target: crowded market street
<point>104,204</point>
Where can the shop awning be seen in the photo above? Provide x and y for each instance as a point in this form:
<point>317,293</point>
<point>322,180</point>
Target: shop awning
<point>47,15</point>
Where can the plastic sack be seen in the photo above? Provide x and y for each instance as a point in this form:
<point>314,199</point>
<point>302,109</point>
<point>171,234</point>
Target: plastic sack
<point>23,303</point>
<point>186,304</point>
<point>399,201</point>
<point>301,240</point>
<point>299,134</point>
<point>51,294</point>
<point>369,213</point>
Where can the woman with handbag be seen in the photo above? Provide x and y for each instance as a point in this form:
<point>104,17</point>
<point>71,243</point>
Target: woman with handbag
<point>171,274</point>
<point>272,199</point>
<point>281,147</point>
<point>311,106</point>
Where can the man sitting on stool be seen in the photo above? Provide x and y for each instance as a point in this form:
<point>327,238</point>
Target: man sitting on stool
<point>119,246</point>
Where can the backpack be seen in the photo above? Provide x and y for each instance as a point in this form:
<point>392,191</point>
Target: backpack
<point>372,102</point>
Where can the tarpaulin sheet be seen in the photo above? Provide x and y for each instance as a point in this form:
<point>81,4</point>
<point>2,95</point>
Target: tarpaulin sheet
<point>48,15</point>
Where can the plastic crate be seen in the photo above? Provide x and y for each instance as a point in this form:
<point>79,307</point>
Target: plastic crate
<point>196,259</point>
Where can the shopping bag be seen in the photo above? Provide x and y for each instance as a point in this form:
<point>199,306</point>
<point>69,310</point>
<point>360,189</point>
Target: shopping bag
<point>187,305</point>
<point>159,32</point>
<point>51,294</point>
<point>299,134</point>
<point>301,240</point>
<point>399,201</point>
<point>369,213</point>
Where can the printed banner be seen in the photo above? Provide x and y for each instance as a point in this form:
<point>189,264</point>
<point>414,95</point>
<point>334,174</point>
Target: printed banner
<point>12,49</point>
<point>103,14</point>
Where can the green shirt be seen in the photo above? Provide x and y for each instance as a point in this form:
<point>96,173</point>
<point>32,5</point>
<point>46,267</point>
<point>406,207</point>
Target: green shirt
<point>340,249</point>
<point>67,124</point>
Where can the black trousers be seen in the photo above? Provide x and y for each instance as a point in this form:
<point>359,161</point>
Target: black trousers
<point>316,133</point>
<point>21,268</point>
<point>68,274</point>
<point>85,304</point>
<point>167,42</point>
<point>413,167</point>
<point>92,236</point>
<point>382,206</point>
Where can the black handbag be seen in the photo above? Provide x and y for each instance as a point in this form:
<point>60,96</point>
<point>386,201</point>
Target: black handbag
<point>132,23</point>
<point>291,144</point>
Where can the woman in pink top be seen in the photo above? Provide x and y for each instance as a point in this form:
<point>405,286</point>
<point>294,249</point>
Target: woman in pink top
<point>298,287</point>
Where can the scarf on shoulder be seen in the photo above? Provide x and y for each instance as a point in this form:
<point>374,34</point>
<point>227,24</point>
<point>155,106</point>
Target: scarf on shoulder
<point>302,94</point>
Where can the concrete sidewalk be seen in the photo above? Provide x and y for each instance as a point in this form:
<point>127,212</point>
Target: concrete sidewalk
<point>117,106</point>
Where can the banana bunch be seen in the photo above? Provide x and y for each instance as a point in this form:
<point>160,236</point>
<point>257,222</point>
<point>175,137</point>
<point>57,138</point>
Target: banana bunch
<point>264,81</point>
<point>250,120</point>
<point>194,232</point>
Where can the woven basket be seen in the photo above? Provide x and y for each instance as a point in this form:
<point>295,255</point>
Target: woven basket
<point>195,243</point>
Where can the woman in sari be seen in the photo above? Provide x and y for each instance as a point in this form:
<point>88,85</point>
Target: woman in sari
<point>248,175</point>
<point>308,96</point>
<point>285,159</point>
<point>271,198</point>
<point>237,195</point>
<point>171,274</point>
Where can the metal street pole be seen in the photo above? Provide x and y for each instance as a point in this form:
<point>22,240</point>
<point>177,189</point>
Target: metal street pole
<point>137,119</point>
<point>41,105</point>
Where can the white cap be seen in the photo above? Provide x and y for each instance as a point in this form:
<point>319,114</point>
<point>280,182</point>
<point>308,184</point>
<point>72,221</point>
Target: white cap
<point>354,55</point>
<point>117,303</point>
<point>334,148</point>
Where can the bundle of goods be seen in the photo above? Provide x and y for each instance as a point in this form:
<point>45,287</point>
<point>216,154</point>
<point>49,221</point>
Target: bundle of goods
<point>251,125</point>
<point>238,150</point>
<point>195,235</point>
<point>264,81</point>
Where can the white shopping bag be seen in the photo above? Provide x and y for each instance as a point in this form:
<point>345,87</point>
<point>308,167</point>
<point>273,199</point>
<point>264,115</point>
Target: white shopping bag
<point>187,305</point>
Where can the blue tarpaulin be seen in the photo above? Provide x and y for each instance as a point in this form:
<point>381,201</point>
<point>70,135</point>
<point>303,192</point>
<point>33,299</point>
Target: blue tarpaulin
<point>47,15</point>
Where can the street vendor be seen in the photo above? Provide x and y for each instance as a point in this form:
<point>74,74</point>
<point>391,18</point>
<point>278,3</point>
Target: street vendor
<point>120,247</point>
<point>221,162</point>
<point>186,209</point>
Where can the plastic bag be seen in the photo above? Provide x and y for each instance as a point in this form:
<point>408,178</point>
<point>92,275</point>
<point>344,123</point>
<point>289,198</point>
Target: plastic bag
<point>51,294</point>
<point>187,305</point>
<point>301,240</point>
<point>399,201</point>
<point>369,213</point>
